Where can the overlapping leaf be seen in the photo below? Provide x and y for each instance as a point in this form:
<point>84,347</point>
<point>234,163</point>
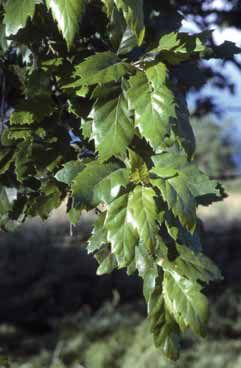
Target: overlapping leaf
<point>21,118</point>
<point>6,159</point>
<point>134,16</point>
<point>178,195</point>
<point>185,301</point>
<point>143,214</point>
<point>113,127</point>
<point>49,198</point>
<point>109,187</point>
<point>99,235</point>
<point>7,199</point>
<point>5,204</point>
<point>163,326</point>
<point>101,68</point>
<point>180,234</point>
<point>147,270</point>
<point>117,27</point>
<point>178,47</point>
<point>181,185</point>
<point>31,110</point>
<point>17,12</point>
<point>127,43</point>
<point>70,170</point>
<point>154,106</point>
<point>68,14</point>
<point>23,161</point>
<point>182,126</point>
<point>109,5</point>
<point>84,183</point>
<point>107,262</point>
<point>195,266</point>
<point>122,233</point>
<point>138,167</point>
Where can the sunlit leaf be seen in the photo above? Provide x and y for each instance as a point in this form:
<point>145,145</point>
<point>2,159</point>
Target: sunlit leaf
<point>17,12</point>
<point>68,14</point>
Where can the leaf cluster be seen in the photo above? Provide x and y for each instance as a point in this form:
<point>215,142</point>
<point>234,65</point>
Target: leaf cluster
<point>99,117</point>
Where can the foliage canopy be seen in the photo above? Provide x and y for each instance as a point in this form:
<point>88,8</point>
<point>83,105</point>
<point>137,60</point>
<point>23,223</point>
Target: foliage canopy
<point>93,111</point>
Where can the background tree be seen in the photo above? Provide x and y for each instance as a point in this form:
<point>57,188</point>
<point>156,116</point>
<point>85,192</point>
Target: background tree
<point>216,150</point>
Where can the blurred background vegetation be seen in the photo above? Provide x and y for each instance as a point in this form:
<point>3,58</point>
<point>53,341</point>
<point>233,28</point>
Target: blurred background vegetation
<point>56,313</point>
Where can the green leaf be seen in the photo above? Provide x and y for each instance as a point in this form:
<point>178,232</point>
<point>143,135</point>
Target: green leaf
<point>37,83</point>
<point>74,215</point>
<point>5,203</point>
<point>31,110</point>
<point>199,183</point>
<point>134,161</point>
<point>98,236</point>
<point>143,215</point>
<point>153,108</point>
<point>6,158</point>
<point>182,127</point>
<point>178,195</point>
<point>121,232</point>
<point>139,169</point>
<point>108,188</point>
<point>108,7</point>
<point>134,16</point>
<point>117,24</point>
<point>103,67</point>
<point>68,15</point>
<point>195,266</point>
<point>183,42</point>
<point>178,47</point>
<point>128,42</point>
<point>80,91</point>
<point>24,161</point>
<point>185,301</point>
<point>21,118</point>
<point>15,134</point>
<point>107,265</point>
<point>181,235</point>
<point>203,188</point>
<point>70,170</point>
<point>157,75</point>
<point>168,339</point>
<point>86,128</point>
<point>113,128</point>
<point>170,160</point>
<point>163,326</point>
<point>3,39</point>
<point>183,190</point>
<point>147,269</point>
<point>49,198</point>
<point>84,183</point>
<point>17,12</point>
<point>164,172</point>
<point>106,260</point>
